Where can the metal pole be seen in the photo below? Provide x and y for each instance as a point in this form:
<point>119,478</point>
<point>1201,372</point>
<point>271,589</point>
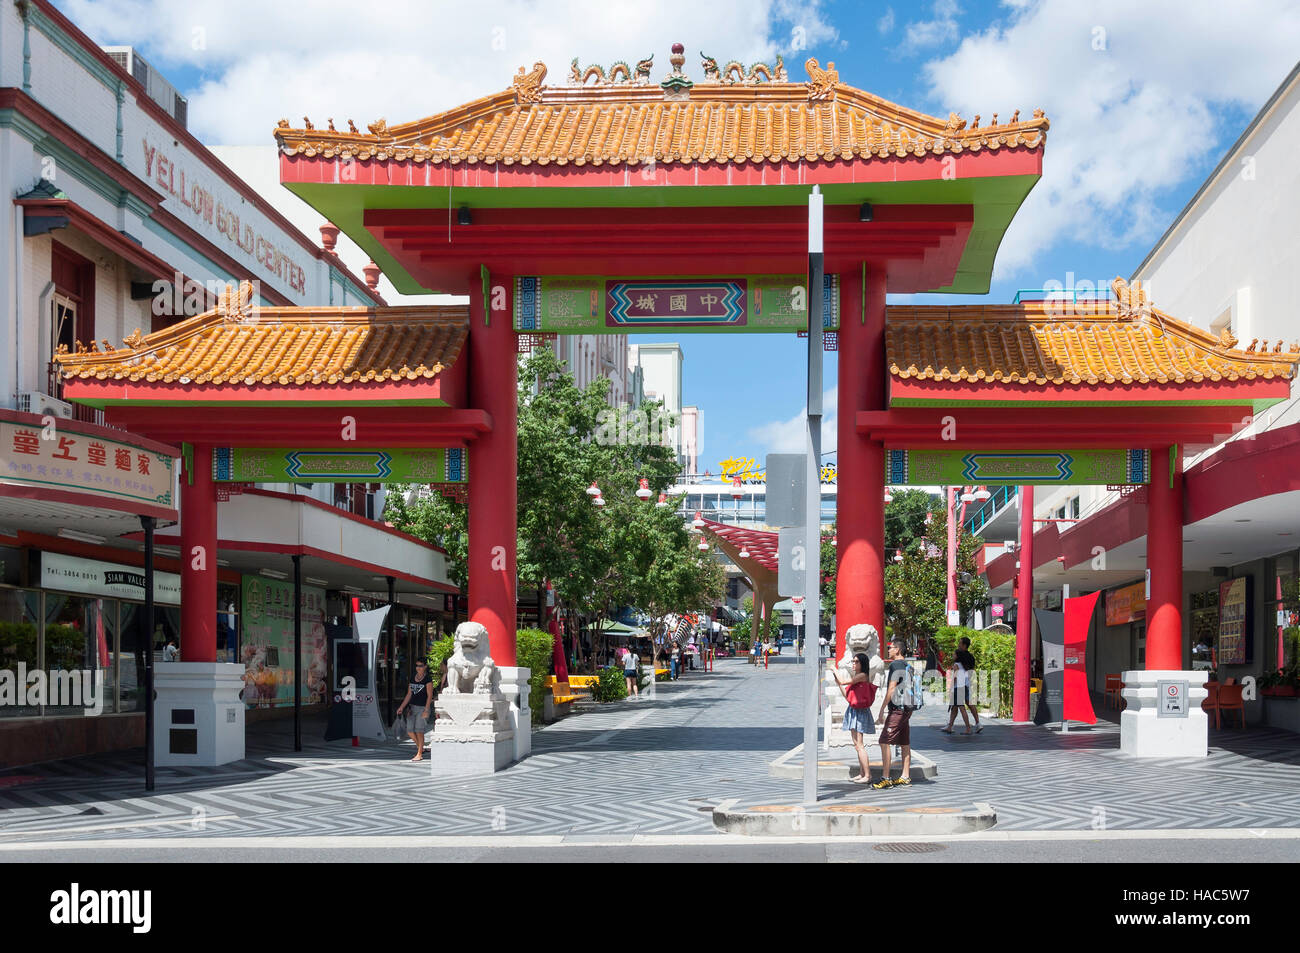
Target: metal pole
<point>148,523</point>
<point>392,658</point>
<point>812,516</point>
<point>297,651</point>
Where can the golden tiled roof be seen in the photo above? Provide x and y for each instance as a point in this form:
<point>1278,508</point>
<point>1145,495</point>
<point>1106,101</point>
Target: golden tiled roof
<point>237,343</point>
<point>1064,342</point>
<point>625,118</point>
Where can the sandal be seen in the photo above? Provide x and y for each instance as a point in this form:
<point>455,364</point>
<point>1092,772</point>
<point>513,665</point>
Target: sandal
<point>946,731</point>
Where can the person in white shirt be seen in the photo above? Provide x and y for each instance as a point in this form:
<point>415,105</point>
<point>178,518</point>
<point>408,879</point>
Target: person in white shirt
<point>630,662</point>
<point>170,651</point>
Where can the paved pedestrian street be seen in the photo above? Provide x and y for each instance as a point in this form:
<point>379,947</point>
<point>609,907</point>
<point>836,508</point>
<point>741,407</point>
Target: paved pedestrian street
<point>651,767</point>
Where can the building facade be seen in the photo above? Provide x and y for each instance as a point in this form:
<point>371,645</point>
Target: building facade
<point>118,223</point>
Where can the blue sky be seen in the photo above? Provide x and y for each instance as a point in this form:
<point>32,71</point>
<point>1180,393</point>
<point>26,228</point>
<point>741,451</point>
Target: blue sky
<point>1144,100</point>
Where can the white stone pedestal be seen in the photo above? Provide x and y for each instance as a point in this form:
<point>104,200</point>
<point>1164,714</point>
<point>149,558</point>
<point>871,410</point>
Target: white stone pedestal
<point>472,735</point>
<point>198,714</point>
<point>514,685</point>
<point>1143,732</point>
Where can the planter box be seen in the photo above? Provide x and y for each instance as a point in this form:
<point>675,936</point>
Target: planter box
<point>1279,691</point>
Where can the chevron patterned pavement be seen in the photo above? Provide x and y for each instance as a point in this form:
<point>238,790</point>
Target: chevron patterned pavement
<point>652,767</point>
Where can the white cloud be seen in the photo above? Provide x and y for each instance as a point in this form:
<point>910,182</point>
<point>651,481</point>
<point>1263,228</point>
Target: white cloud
<point>942,29</point>
<point>406,59</point>
<point>790,435</point>
<point>886,23</point>
<point>1129,119</point>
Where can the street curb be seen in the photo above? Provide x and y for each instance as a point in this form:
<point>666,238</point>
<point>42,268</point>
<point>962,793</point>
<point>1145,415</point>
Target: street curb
<point>849,820</point>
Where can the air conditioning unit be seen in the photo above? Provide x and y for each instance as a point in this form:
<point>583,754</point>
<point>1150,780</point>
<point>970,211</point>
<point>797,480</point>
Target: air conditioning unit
<point>43,405</point>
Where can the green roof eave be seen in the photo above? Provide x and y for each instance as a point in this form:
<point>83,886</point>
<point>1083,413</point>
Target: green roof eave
<point>994,200</point>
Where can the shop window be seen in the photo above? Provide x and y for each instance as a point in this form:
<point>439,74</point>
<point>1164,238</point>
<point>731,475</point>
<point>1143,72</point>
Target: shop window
<point>1204,628</point>
<point>19,610</point>
<point>78,653</point>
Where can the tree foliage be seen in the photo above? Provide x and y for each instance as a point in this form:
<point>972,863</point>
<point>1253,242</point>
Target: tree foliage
<point>628,552</point>
<point>916,590</point>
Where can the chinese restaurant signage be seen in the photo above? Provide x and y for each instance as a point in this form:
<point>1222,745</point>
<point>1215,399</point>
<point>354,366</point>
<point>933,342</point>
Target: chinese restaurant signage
<point>1126,604</point>
<point>599,305</point>
<point>94,577</point>
<point>1073,467</point>
<point>1234,620</point>
<point>77,462</point>
<point>241,465</point>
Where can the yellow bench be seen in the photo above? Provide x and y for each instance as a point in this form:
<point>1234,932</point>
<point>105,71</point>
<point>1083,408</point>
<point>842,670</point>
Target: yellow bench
<point>579,681</point>
<point>558,701</point>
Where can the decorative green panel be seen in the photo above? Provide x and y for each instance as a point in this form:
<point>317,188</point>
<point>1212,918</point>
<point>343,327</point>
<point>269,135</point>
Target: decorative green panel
<point>276,465</point>
<point>1018,468</point>
<point>595,304</point>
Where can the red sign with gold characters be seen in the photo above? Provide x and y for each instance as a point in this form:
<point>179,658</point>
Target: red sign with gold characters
<point>55,458</point>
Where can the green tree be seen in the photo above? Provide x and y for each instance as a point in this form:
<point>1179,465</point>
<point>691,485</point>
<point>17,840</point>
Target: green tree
<point>916,590</point>
<point>597,558</point>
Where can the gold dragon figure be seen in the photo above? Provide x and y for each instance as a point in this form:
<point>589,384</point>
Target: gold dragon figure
<point>821,82</point>
<point>528,85</point>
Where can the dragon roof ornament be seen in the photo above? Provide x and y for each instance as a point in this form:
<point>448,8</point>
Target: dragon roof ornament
<point>738,113</point>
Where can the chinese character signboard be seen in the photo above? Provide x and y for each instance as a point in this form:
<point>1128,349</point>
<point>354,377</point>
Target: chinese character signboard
<point>245,465</point>
<point>1234,621</point>
<point>599,305</point>
<point>59,458</point>
<point>1061,468</point>
<point>268,643</point>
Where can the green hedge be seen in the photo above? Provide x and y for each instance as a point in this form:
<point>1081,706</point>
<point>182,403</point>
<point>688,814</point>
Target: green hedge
<point>533,651</point>
<point>612,686</point>
<point>993,651</point>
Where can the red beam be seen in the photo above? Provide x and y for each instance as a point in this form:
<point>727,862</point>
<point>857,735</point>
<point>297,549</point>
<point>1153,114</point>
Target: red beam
<point>986,163</point>
<point>306,428</point>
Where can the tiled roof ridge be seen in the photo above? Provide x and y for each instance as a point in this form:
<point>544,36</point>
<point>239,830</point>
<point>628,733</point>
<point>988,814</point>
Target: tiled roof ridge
<point>1056,342</point>
<point>488,129</point>
<point>238,342</point>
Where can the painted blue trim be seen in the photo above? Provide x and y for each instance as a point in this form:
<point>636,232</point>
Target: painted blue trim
<point>70,46</point>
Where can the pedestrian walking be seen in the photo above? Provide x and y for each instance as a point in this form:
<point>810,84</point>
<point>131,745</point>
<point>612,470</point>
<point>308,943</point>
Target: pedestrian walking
<point>630,662</point>
<point>419,697</point>
<point>897,723</point>
<point>676,661</point>
<point>860,693</point>
<point>963,666</point>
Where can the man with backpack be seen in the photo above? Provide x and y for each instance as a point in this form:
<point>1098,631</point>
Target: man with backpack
<point>896,729</point>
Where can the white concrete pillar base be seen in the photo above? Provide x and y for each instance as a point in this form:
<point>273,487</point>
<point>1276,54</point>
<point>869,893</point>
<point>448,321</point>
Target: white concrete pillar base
<point>514,685</point>
<point>198,714</point>
<point>1142,732</point>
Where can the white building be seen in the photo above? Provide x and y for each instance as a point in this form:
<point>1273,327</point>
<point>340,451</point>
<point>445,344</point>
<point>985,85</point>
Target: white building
<point>1227,264</point>
<point>117,219</point>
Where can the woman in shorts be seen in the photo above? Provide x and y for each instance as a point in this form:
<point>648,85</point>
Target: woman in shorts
<point>860,693</point>
<point>419,697</point>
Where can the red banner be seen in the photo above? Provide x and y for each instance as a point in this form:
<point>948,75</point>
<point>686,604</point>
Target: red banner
<point>1078,620</point>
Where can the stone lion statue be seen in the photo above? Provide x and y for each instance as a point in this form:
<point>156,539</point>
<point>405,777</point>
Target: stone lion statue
<point>862,638</point>
<point>470,669</point>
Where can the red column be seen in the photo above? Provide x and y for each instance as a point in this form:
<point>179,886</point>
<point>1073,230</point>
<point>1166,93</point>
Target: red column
<point>1165,560</point>
<point>199,560</point>
<point>860,516</point>
<point>952,549</point>
<point>1024,606</point>
<point>493,382</point>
